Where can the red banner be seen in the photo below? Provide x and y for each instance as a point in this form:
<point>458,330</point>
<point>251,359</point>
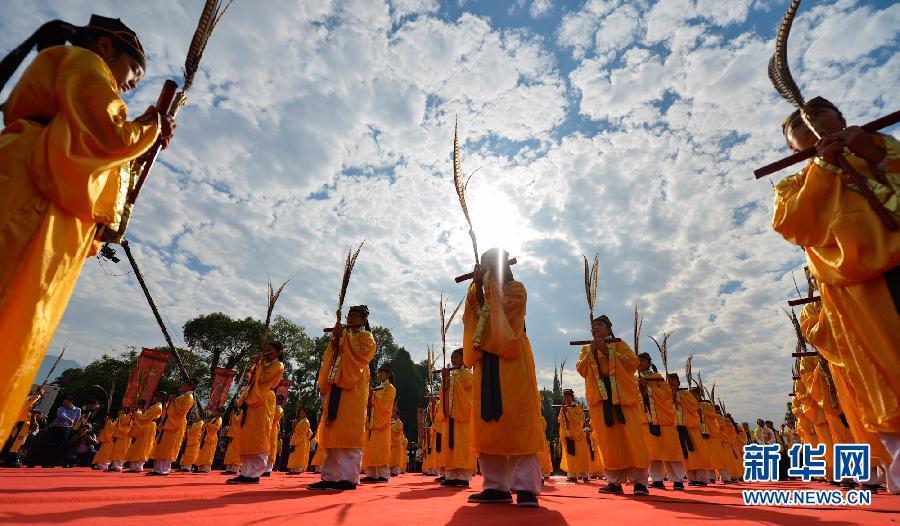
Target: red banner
<point>221,385</point>
<point>283,387</point>
<point>145,377</point>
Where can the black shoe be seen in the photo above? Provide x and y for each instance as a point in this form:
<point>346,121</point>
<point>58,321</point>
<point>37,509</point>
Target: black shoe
<point>438,479</point>
<point>240,479</point>
<point>658,484</point>
<point>615,489</point>
<point>491,496</point>
<point>153,474</point>
<point>382,479</point>
<point>133,471</point>
<point>343,485</point>
<point>640,489</point>
<point>322,485</point>
<point>184,470</point>
<point>455,483</point>
<point>266,474</point>
<point>526,499</point>
<point>368,480</point>
<point>872,487</point>
<point>697,483</point>
<point>679,486</point>
<point>573,480</point>
<point>294,473</point>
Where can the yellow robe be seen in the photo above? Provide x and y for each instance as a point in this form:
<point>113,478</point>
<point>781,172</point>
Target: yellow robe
<point>233,453</point>
<point>173,428</point>
<point>274,448</point>
<point>210,439</point>
<point>377,452</point>
<point>318,457</point>
<point>398,452</point>
<point>121,438</point>
<point>699,458</point>
<point>299,457</point>
<point>714,442</point>
<point>544,455</point>
<point>813,410</point>
<point>65,138</point>
<point>571,426</point>
<point>815,327</point>
<point>459,404</point>
<point>105,438</point>
<point>666,446</point>
<point>256,424</point>
<point>849,250</point>
<point>143,431</point>
<point>598,467</point>
<point>191,445</point>
<point>733,458</point>
<point>21,437</point>
<point>348,430</point>
<point>622,445</point>
<point>502,321</point>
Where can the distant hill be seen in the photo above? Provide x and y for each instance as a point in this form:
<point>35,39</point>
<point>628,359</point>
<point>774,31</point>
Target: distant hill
<point>64,364</point>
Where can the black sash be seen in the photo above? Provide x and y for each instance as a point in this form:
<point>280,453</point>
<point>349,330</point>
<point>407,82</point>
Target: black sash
<point>334,401</point>
<point>450,438</point>
<point>685,439</point>
<point>590,448</point>
<point>892,280</point>
<point>491,399</point>
<point>611,412</point>
<point>437,442</point>
<point>570,447</point>
<point>844,420</point>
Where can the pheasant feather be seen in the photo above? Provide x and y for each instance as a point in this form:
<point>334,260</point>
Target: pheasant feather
<point>461,189</point>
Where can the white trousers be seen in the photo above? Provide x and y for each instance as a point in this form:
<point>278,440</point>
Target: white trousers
<point>103,465</point>
<point>233,467</point>
<point>116,465</point>
<point>620,476</point>
<point>378,472</point>
<point>162,466</point>
<point>342,464</point>
<point>698,475</point>
<point>459,474</point>
<point>724,475</point>
<point>137,465</point>
<point>891,442</point>
<point>658,470</point>
<point>253,465</point>
<point>511,473</point>
<point>205,468</point>
<point>269,467</point>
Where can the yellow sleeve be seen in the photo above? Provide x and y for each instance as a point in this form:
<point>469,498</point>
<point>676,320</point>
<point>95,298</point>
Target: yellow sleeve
<point>357,350</point>
<point>267,378</point>
<point>583,366</point>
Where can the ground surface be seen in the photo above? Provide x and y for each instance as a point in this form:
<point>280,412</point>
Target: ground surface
<point>66,496</point>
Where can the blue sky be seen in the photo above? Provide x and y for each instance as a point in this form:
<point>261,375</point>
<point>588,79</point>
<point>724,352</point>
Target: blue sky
<point>625,128</point>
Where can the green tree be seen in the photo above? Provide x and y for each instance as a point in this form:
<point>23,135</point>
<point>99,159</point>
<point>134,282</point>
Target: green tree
<point>108,372</point>
<point>222,341</point>
<point>410,392</point>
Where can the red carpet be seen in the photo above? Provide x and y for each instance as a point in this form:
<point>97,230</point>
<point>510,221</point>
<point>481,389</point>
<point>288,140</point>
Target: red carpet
<point>66,496</point>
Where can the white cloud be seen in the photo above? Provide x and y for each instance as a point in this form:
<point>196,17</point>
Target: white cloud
<point>540,8</point>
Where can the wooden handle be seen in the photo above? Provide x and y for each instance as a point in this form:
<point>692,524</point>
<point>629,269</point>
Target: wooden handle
<point>163,106</point>
<point>331,329</point>
<point>470,275</point>
<point>803,354</point>
<point>804,301</point>
<point>769,169</point>
<point>588,342</point>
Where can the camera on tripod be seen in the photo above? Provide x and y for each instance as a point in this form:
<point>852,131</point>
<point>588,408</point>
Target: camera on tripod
<point>108,252</point>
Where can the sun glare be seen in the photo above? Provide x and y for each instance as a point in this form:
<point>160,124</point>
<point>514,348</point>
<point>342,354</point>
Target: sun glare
<point>498,222</point>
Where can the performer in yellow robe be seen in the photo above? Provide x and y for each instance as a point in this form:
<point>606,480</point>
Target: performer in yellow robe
<point>191,446</point>
<point>233,451</point>
<point>209,439</point>
<point>458,458</point>
<point>65,139</point>
<point>663,445</point>
<point>318,457</point>
<point>430,463</point>
<point>576,457</point>
<point>440,435</point>
<point>597,466</point>
<point>397,451</point>
<point>172,429</point>
<point>299,457</point>
<point>257,405</point>
<point>608,369</point>
<point>854,258</point>
<point>274,438</point>
<point>345,391</point>
<point>143,431</point>
<point>506,426</point>
<point>814,413</point>
<point>18,440</point>
<point>25,415</point>
<point>714,442</point>
<point>121,441</point>
<point>376,459</point>
<point>726,436</point>
<point>104,455</point>
<point>690,428</point>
